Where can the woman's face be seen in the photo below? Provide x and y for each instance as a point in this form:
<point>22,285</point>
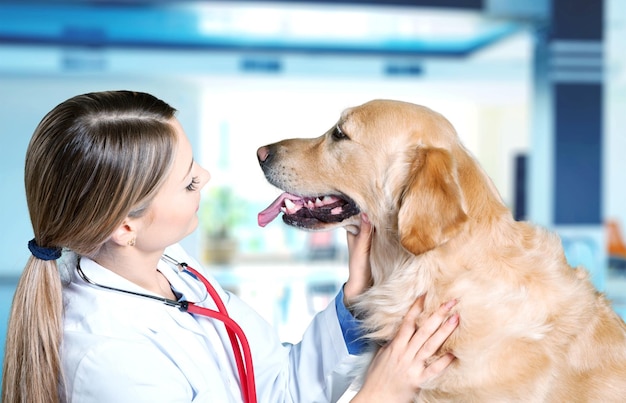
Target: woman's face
<point>172,214</point>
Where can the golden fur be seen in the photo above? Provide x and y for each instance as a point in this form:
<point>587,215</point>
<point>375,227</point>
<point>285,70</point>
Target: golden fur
<point>533,329</point>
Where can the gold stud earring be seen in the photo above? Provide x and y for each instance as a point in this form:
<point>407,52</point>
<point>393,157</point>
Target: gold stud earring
<point>131,242</point>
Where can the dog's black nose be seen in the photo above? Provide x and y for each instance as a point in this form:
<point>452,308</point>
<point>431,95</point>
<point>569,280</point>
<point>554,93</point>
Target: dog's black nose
<point>263,154</point>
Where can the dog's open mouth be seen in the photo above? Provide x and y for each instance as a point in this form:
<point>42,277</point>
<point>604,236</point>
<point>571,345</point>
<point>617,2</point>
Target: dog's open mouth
<point>307,212</point>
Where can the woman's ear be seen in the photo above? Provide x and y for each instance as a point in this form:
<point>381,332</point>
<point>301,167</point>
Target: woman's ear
<point>431,211</point>
<point>125,234</point>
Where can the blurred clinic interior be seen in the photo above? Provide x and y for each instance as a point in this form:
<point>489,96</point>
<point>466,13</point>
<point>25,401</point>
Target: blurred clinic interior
<point>536,90</point>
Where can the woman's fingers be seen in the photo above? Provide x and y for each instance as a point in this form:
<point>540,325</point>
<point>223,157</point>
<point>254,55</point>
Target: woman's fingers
<point>359,276</point>
<point>431,346</point>
<point>409,323</point>
<point>421,343</point>
<point>401,367</point>
<point>437,366</point>
<point>431,335</point>
<point>360,243</point>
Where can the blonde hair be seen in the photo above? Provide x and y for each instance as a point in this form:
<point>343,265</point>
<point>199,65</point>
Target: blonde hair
<point>93,160</point>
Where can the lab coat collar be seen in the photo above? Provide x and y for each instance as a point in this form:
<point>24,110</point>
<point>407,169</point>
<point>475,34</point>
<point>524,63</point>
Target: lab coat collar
<point>185,283</point>
<point>190,288</point>
<point>101,275</point>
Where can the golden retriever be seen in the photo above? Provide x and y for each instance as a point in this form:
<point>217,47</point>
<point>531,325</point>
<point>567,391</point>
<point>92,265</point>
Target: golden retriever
<point>533,329</point>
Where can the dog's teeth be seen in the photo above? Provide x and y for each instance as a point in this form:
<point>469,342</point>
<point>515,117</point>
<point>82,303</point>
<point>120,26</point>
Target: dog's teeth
<point>310,204</point>
<point>318,202</point>
<point>284,210</point>
<point>290,206</point>
<point>327,200</point>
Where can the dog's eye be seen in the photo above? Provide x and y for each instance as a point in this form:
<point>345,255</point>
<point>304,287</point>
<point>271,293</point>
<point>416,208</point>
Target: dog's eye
<point>338,134</point>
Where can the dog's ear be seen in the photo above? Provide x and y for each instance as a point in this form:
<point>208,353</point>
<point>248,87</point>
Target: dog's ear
<point>431,208</point>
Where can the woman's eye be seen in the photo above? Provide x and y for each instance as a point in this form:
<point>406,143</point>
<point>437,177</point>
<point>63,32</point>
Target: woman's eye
<point>338,134</point>
<point>193,185</point>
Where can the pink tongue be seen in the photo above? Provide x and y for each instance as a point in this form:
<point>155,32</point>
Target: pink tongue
<point>266,216</point>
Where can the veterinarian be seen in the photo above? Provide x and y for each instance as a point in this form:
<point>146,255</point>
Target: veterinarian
<point>111,309</point>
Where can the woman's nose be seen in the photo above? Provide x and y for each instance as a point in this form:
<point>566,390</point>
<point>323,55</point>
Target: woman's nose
<point>206,177</point>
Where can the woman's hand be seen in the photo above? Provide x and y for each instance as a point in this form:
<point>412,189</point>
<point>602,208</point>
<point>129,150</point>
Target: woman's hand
<point>360,272</point>
<point>400,368</point>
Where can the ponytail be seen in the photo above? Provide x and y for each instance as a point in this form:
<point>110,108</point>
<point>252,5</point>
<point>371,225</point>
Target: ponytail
<point>32,360</point>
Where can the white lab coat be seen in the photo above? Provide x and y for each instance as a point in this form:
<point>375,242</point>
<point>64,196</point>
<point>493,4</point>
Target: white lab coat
<point>121,348</point>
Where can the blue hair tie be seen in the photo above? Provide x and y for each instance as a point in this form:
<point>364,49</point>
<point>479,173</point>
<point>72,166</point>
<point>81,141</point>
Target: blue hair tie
<point>43,253</point>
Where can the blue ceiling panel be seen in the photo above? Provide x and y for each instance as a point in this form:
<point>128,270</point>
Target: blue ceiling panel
<point>231,26</point>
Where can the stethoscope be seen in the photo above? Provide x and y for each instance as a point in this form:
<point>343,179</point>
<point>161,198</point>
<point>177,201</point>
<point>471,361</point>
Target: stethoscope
<point>238,339</point>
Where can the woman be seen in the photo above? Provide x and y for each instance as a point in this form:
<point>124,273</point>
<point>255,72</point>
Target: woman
<point>111,187</point>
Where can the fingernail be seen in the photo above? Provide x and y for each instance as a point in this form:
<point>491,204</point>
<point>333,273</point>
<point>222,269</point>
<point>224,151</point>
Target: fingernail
<point>365,218</point>
<point>454,319</point>
<point>448,305</point>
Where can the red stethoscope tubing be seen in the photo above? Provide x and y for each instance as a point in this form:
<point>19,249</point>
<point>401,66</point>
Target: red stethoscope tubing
<point>236,335</point>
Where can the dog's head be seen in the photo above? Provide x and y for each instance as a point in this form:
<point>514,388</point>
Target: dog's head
<point>393,160</point>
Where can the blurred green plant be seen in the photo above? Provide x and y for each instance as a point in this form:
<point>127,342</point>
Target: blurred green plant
<point>221,210</point>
